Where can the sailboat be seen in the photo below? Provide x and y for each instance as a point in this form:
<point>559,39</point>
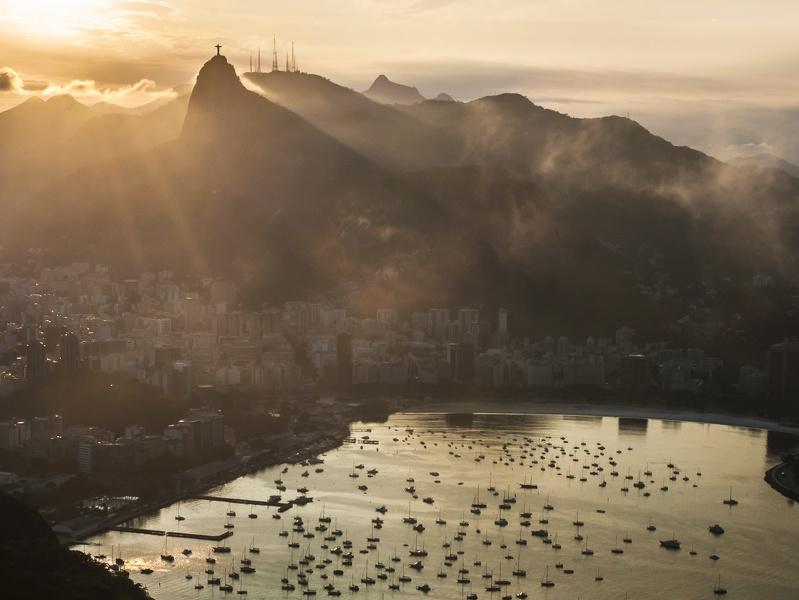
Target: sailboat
<point>178,516</point>
<point>616,549</point>
<point>587,551</point>
<point>546,581</point>
<point>519,572</point>
<point>718,590</point>
<point>165,555</point>
<point>253,548</point>
<point>730,501</point>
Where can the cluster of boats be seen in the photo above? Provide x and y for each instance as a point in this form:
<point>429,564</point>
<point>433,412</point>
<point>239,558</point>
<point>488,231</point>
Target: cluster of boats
<point>474,550</point>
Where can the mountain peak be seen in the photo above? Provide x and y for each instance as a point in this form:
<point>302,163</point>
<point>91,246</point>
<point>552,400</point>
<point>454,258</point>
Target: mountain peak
<point>218,74</point>
<point>216,99</point>
<point>63,101</point>
<point>385,91</point>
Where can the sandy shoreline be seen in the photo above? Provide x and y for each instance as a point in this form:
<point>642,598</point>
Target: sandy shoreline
<point>571,408</point>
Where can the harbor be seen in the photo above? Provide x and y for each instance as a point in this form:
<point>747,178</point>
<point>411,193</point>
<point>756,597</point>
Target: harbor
<point>517,505</point>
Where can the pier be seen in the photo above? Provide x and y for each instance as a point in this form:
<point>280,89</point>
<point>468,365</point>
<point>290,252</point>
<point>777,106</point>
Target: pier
<point>176,534</point>
<point>238,500</point>
<point>282,506</point>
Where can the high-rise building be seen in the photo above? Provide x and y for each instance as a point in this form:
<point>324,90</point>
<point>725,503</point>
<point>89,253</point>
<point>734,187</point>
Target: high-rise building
<point>70,352</point>
<point>465,370</point>
<point>36,364</point>
<point>52,337</point>
<point>634,372</point>
<point>469,319</point>
<point>501,335</point>
<point>439,317</point>
<point>783,368</point>
<point>388,316</point>
<point>460,358</point>
<point>344,360</point>
<point>502,324</point>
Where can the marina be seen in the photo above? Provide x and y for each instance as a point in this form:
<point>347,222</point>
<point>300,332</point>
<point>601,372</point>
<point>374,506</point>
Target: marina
<point>501,506</point>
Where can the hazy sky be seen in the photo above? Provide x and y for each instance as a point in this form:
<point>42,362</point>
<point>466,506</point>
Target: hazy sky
<point>664,62</point>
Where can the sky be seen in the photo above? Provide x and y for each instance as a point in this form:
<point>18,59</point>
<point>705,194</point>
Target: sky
<point>716,74</point>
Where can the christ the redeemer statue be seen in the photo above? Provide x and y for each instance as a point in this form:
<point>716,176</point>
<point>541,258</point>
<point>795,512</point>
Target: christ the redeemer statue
<point>218,48</point>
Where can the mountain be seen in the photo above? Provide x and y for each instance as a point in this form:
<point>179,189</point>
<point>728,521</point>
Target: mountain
<point>310,188</point>
<point>444,97</point>
<point>248,188</point>
<point>385,91</point>
<point>765,161</point>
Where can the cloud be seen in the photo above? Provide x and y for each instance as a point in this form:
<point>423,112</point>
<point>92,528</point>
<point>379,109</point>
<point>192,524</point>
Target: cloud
<point>470,79</point>
<point>413,7</point>
<point>10,81</point>
<point>146,8</point>
<point>85,90</point>
<point>144,90</point>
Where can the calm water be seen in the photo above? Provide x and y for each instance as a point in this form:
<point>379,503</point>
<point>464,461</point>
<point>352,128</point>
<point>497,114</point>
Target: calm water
<point>758,553</point>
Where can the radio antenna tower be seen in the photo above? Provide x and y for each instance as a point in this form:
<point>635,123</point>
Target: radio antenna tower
<point>274,55</point>
<point>293,62</point>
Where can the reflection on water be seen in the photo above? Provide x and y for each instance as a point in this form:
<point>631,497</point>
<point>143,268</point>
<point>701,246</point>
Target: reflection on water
<point>632,426</point>
<point>453,462</point>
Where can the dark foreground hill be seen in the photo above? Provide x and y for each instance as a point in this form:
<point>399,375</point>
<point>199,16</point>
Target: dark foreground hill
<point>34,566</point>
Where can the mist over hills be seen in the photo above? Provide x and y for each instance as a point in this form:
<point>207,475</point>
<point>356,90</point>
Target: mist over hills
<point>44,141</point>
<point>766,161</point>
<point>311,188</point>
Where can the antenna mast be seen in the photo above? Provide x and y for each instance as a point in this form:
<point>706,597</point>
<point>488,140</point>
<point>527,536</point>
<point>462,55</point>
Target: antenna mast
<point>274,55</point>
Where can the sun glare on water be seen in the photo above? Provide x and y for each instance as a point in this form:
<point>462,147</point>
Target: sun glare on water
<point>62,18</point>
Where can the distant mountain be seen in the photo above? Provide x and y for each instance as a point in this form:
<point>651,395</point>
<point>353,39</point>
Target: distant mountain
<point>43,141</point>
<point>384,133</point>
<point>444,97</point>
<point>385,91</point>
<point>765,161</point>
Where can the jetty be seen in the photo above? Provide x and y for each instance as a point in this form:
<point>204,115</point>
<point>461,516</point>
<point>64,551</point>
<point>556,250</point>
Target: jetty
<point>176,534</point>
<point>281,505</point>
